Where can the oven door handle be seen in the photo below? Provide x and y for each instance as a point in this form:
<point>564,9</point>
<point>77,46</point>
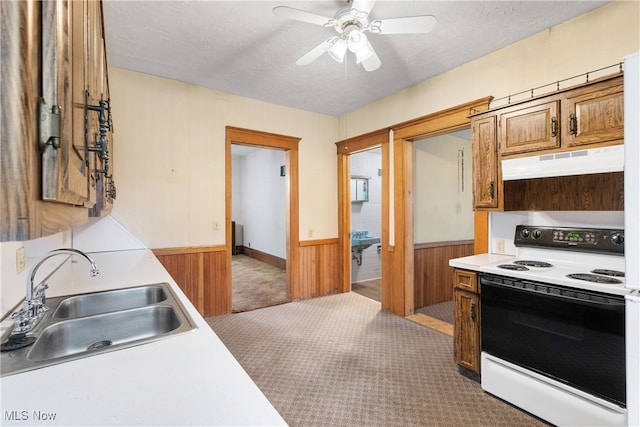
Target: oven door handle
<point>551,291</point>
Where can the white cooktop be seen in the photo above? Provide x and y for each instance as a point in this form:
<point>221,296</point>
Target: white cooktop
<point>564,263</point>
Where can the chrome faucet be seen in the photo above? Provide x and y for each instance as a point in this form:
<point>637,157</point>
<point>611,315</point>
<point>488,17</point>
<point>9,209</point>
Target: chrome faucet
<point>34,304</point>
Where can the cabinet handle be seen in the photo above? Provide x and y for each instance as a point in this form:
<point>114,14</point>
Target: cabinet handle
<point>473,312</point>
<point>573,124</point>
<point>554,127</point>
<point>492,189</point>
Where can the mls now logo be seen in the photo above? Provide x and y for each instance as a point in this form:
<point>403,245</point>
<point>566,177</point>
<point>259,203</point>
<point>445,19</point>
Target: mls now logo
<point>26,415</point>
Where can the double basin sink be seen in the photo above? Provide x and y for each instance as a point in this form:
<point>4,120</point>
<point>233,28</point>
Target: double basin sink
<point>84,325</point>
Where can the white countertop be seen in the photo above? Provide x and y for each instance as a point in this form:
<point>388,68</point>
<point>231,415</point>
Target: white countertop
<point>186,379</point>
<point>474,262</point>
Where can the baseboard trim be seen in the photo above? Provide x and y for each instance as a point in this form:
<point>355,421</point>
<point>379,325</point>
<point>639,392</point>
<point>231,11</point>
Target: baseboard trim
<point>432,322</point>
<point>188,250</point>
<point>265,257</point>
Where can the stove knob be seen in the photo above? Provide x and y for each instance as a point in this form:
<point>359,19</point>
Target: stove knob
<point>536,234</point>
<point>617,239</point>
<point>525,233</point>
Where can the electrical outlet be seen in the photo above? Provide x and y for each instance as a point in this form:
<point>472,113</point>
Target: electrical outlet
<point>310,233</point>
<point>500,246</point>
<point>19,260</point>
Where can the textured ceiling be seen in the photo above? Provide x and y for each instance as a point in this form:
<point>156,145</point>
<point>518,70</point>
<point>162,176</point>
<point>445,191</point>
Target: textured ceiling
<point>240,47</point>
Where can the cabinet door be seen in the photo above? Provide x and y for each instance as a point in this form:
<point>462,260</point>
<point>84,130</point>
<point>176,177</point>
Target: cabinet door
<point>594,115</point>
<point>525,128</point>
<point>467,330</point>
<point>486,184</point>
<point>64,172</point>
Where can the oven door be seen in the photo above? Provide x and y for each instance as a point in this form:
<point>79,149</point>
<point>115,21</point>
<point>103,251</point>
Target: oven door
<point>573,336</point>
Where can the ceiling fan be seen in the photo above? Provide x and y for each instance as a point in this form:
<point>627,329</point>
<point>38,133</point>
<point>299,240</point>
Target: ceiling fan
<point>351,24</point>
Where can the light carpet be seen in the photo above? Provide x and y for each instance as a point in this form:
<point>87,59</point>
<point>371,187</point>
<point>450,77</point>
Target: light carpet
<point>340,361</point>
<point>256,284</point>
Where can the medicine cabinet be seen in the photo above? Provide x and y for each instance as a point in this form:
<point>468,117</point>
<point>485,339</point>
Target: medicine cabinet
<point>359,189</point>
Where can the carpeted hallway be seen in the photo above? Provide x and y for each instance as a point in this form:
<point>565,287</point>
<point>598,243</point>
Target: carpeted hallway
<point>340,361</point>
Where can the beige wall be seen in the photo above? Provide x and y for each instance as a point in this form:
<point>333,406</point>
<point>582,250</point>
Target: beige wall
<point>169,160</point>
<point>169,155</point>
<point>442,200</point>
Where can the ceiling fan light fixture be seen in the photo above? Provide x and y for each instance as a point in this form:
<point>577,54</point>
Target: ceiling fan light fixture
<point>357,40</point>
<point>364,53</point>
<point>338,50</point>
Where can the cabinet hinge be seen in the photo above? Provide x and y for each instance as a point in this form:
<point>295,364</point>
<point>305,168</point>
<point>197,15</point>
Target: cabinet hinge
<point>49,125</point>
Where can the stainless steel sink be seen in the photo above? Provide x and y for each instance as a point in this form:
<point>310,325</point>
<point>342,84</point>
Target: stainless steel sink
<point>103,330</point>
<point>105,302</point>
<point>86,325</point>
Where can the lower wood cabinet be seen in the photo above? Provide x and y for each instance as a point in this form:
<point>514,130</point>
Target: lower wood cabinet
<point>466,335</point>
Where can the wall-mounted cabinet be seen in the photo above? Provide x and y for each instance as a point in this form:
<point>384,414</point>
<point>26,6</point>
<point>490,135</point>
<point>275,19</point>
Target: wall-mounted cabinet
<point>585,116</point>
<point>359,189</point>
<point>487,188</point>
<point>55,144</point>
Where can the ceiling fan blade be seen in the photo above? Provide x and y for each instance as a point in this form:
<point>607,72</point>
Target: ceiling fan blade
<point>372,63</point>
<point>300,15</point>
<point>364,6</point>
<point>316,52</point>
<point>407,25</point>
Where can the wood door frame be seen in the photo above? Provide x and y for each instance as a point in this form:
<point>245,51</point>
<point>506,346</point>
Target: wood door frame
<point>399,298</point>
<point>289,145</point>
<point>358,144</point>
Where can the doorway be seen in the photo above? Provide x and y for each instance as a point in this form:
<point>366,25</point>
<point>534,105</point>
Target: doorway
<point>365,168</point>
<point>443,218</point>
<point>287,174</point>
<point>258,266</point>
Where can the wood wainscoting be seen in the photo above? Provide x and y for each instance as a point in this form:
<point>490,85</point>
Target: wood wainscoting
<point>200,272</point>
<point>433,281</point>
<point>319,268</point>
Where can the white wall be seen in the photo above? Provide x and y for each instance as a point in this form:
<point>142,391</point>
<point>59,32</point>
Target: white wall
<point>442,193</point>
<point>367,215</point>
<point>261,207</point>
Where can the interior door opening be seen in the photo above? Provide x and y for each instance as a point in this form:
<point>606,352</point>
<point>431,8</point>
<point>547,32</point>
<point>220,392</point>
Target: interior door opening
<point>365,194</point>
<point>258,213</point>
<point>443,218</point>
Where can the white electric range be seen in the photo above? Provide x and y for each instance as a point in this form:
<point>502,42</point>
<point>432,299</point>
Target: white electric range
<point>553,325</point>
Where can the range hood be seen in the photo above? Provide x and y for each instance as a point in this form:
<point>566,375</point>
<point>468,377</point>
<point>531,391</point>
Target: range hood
<point>580,162</point>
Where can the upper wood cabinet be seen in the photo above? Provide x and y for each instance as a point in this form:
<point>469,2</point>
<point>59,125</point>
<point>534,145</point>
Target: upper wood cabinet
<point>52,56</point>
<point>585,116</point>
<point>485,167</point>
<point>590,114</point>
<point>594,114</point>
<point>529,128</point>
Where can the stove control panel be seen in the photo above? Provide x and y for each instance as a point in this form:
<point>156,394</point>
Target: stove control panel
<point>578,239</point>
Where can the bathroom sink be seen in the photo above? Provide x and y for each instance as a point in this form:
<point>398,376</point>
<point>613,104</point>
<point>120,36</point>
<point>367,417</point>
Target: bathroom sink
<point>364,242</point>
<point>361,240</point>
<point>78,326</point>
<point>104,302</point>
